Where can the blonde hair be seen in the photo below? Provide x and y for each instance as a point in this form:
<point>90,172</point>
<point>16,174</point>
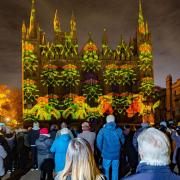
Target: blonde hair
<point>80,163</point>
<point>154,147</point>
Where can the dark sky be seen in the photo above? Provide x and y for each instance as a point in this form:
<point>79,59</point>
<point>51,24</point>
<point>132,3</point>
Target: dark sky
<point>117,16</point>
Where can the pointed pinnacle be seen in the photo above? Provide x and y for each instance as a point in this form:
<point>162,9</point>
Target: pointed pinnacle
<point>147,29</point>
<point>23,27</point>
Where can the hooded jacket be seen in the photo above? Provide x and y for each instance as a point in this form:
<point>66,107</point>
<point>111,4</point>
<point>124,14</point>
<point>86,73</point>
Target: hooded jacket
<point>109,141</point>
<point>59,147</point>
<point>43,145</point>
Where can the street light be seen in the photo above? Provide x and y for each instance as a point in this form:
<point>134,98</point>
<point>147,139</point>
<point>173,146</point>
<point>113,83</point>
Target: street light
<point>7,119</point>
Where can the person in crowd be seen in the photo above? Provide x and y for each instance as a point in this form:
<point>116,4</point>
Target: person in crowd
<point>109,141</point>
<point>64,126</point>
<point>59,147</point>
<point>2,128</point>
<point>144,126</point>
<point>129,150</point>
<point>22,153</point>
<point>163,126</point>
<point>10,138</point>
<point>87,134</point>
<point>75,129</point>
<point>5,145</point>
<point>43,145</point>
<point>47,168</point>
<point>80,163</point>
<point>33,135</point>
<point>53,131</point>
<point>154,151</point>
<point>176,138</point>
<point>3,155</point>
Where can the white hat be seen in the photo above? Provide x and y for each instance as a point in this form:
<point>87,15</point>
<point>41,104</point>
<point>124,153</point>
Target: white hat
<point>163,123</point>
<point>110,118</point>
<point>35,126</point>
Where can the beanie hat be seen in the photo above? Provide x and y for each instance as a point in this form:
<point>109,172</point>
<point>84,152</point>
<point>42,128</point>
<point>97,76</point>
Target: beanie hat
<point>44,131</point>
<point>163,123</point>
<point>110,118</point>
<point>85,126</point>
<point>35,126</point>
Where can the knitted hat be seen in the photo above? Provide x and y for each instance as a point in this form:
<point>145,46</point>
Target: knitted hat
<point>35,126</point>
<point>85,126</point>
<point>44,131</point>
<point>110,118</point>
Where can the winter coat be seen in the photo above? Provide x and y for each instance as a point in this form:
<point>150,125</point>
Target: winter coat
<point>53,134</point>
<point>109,141</point>
<point>32,136</point>
<point>3,155</point>
<point>59,147</point>
<point>10,138</point>
<point>175,138</point>
<point>148,172</point>
<point>89,137</point>
<point>130,151</point>
<point>43,145</point>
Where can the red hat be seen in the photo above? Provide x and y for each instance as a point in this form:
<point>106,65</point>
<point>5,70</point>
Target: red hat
<point>44,131</point>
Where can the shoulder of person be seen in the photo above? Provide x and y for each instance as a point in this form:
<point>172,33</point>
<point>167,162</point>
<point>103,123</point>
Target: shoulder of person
<point>118,129</point>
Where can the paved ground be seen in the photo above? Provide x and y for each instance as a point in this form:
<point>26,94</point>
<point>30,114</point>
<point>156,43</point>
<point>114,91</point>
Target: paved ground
<point>31,175</point>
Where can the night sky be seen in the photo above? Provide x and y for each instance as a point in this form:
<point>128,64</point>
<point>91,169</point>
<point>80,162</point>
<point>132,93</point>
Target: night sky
<point>117,16</point>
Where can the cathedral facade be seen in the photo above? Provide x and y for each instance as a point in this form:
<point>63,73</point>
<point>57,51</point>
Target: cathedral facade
<point>61,68</point>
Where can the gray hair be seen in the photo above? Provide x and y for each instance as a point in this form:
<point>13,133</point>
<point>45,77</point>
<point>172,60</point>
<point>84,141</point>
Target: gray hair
<point>154,147</point>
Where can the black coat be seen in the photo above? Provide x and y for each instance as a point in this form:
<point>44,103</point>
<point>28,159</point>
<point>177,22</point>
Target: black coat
<point>32,136</point>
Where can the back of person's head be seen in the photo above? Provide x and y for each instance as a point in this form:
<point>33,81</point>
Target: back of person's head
<point>126,129</point>
<point>85,126</point>
<point>53,127</point>
<point>154,147</point>
<point>80,163</point>
<point>35,126</point>
<point>110,118</point>
<point>63,125</point>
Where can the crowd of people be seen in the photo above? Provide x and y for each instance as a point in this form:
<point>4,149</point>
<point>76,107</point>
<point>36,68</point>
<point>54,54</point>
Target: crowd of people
<point>113,152</point>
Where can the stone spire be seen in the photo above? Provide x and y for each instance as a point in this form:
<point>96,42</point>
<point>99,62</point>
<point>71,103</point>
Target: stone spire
<point>141,27</point>
<point>104,38</point>
<point>57,26</point>
<point>43,38</point>
<point>147,29</point>
<point>73,25</point>
<point>23,30</point>
<point>32,24</point>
